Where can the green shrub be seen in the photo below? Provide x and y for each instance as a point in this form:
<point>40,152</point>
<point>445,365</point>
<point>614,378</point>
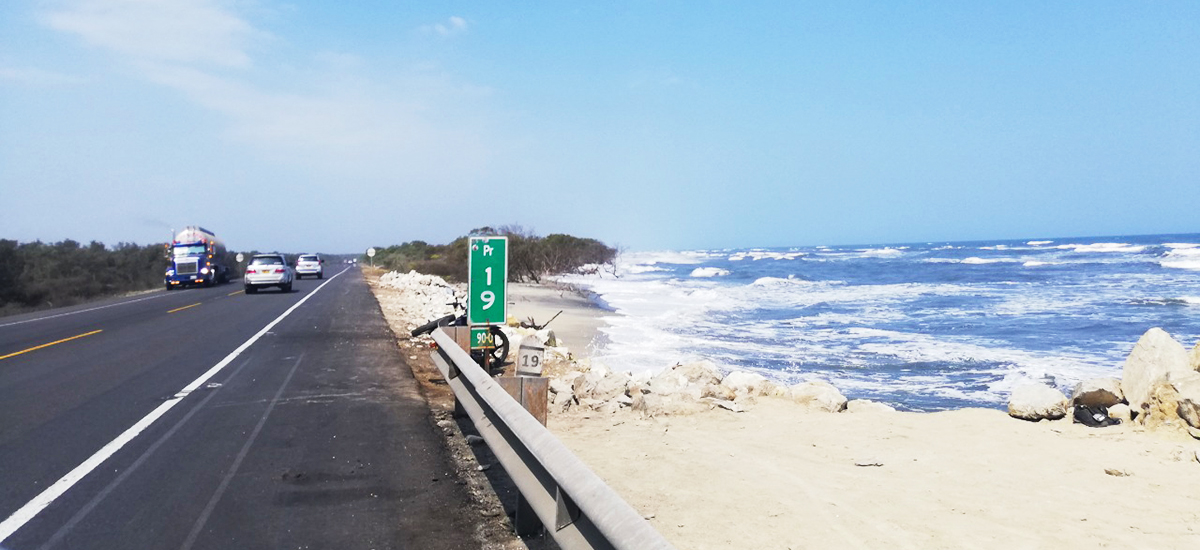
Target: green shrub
<point>530,257</point>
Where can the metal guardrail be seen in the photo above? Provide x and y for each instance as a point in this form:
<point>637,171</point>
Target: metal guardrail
<point>576,507</point>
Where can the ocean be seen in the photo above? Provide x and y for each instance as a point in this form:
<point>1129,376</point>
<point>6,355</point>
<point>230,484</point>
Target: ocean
<point>922,327</point>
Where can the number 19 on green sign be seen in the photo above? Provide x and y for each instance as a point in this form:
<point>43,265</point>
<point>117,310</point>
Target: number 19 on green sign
<point>488,280</point>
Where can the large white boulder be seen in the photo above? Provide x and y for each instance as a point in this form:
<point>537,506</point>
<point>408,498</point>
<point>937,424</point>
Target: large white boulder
<point>1195,358</point>
<point>1161,410</point>
<point>1033,401</point>
<point>1187,385</point>
<point>1120,411</point>
<point>668,382</point>
<point>719,391</point>
<point>1155,355</point>
<point>701,373</point>
<point>818,395</point>
<point>609,387</point>
<point>1098,392</point>
<point>868,406</point>
<point>750,383</point>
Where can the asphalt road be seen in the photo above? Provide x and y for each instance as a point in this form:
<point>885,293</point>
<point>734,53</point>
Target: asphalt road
<point>314,435</point>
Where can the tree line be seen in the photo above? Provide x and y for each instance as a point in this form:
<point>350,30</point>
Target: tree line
<point>36,275</point>
<point>530,257</point>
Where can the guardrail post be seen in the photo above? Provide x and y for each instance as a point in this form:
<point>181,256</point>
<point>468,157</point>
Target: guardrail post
<point>572,503</point>
<point>526,522</point>
<point>533,393</point>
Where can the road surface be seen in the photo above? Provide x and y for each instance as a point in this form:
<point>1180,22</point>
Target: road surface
<point>206,418</point>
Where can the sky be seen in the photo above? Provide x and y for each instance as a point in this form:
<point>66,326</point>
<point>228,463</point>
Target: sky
<point>333,126</point>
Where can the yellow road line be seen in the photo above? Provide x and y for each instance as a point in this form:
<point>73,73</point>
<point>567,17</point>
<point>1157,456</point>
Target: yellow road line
<point>238,292</point>
<point>184,307</point>
<point>50,344</point>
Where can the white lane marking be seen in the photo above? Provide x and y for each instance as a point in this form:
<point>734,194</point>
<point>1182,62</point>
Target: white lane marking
<point>112,485</point>
<point>84,310</point>
<point>32,508</point>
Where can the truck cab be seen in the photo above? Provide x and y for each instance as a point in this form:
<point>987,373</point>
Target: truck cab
<point>196,258</point>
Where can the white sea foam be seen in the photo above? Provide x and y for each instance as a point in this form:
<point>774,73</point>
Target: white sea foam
<point>974,260</point>
<point>886,251</point>
<point>664,257</point>
<point>1038,243</point>
<point>1181,245</point>
<point>1183,253</point>
<point>765,255</point>
<point>641,268</point>
<point>1192,265</point>
<point>1102,247</point>
<point>886,339</point>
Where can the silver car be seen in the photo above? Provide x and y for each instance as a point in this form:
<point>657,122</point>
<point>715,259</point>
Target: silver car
<point>308,265</point>
<point>268,270</point>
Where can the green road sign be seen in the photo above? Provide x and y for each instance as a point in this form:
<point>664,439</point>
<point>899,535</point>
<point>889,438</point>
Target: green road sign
<point>481,338</point>
<point>488,281</point>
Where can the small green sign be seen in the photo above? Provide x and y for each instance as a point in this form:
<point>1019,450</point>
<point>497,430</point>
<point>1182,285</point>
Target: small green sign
<point>488,281</point>
<point>482,338</point>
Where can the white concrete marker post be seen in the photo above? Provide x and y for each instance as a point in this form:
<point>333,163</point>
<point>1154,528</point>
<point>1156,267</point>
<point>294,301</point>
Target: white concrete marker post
<point>529,359</point>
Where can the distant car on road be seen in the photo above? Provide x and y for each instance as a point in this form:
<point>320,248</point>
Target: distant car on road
<point>310,264</point>
<point>268,270</point>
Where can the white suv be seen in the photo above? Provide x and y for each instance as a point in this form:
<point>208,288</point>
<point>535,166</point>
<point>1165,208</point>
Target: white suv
<point>268,270</point>
<point>310,264</point>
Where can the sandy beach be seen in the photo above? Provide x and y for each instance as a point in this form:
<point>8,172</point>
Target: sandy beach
<point>777,476</point>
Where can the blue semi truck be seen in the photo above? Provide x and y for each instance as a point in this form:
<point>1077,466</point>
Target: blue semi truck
<point>196,257</point>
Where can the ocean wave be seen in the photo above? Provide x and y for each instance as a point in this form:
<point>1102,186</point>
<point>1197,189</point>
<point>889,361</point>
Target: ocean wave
<point>779,281</point>
<point>975,260</point>
<point>1191,265</point>
<point>885,251</point>
<point>1181,301</point>
<point>1102,247</point>
<point>641,268</point>
<point>885,324</point>
<point>1183,253</point>
<point>765,255</point>
<point>666,257</point>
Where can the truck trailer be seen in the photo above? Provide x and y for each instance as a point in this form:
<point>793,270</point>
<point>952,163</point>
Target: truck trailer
<point>196,257</point>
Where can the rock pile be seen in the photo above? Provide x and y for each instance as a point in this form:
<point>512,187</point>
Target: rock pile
<point>685,388</point>
<point>1159,389</point>
<point>423,298</point>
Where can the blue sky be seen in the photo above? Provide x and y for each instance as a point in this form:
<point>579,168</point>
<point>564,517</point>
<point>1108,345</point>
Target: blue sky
<point>332,126</point>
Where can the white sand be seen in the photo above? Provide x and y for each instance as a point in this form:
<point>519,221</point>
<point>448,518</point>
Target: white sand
<point>577,326</point>
<point>777,477</point>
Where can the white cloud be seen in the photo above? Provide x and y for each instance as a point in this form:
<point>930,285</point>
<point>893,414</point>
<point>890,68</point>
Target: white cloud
<point>327,115</point>
<point>173,31</point>
<point>452,26</point>
<point>37,77</point>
